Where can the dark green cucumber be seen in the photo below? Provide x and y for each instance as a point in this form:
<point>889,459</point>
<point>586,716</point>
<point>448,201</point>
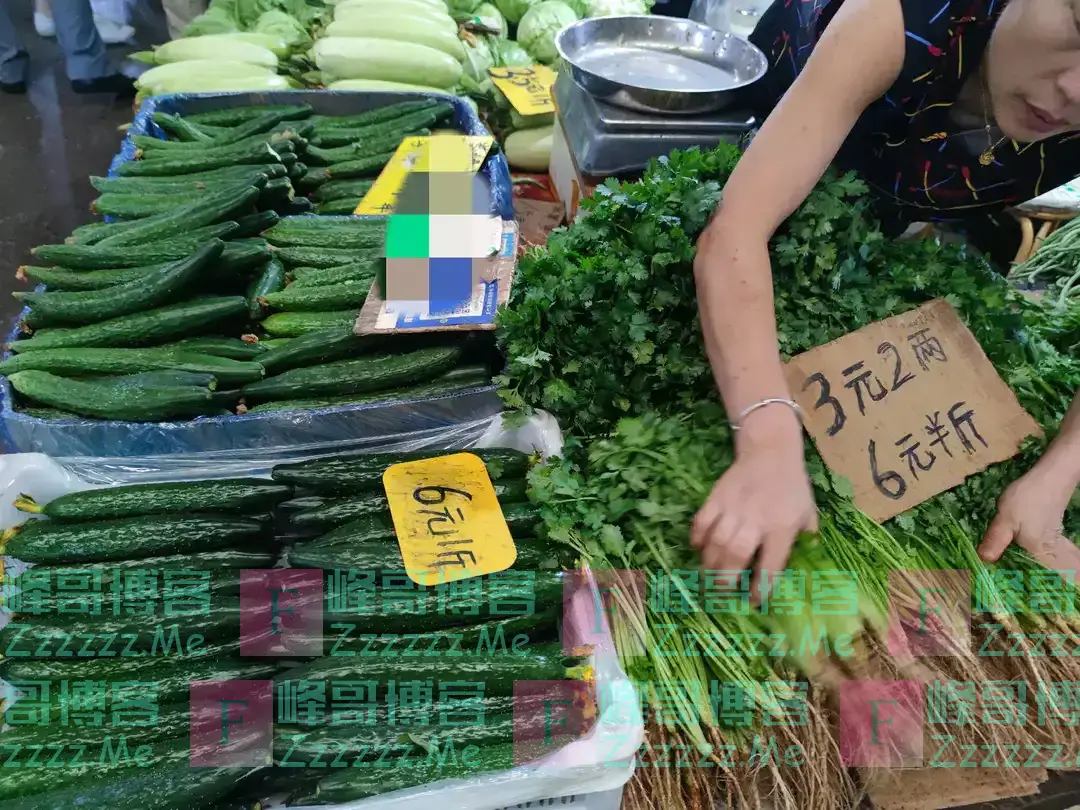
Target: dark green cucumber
<point>351,144</point>
<point>232,348</point>
<point>357,233</point>
<point>112,399</point>
<point>213,208</point>
<point>188,182</point>
<point>201,161</point>
<point>314,347</point>
<point>337,208</point>
<point>387,135</point>
<point>378,115</point>
<point>217,495</point>
<point>224,370</point>
<point>172,721</point>
<point>243,255</point>
<point>101,257</point>
<point>298,206</point>
<point>139,206</point>
<point>439,387</point>
<point>307,747</point>
<point>180,128</point>
<point>235,116</point>
<point>320,276</point>
<point>369,373</point>
<point>324,256</point>
<point>49,611</point>
<point>359,473</point>
<point>226,559</point>
<point>361,167</point>
<point>311,179</point>
<point>48,413</point>
<point>255,224</point>
<point>339,511</point>
<point>94,232</point>
<point>325,298</point>
<point>144,327</point>
<point>44,541</point>
<point>293,324</point>
<point>93,306</point>
<point>342,190</point>
<point>268,282</point>
<point>75,280</point>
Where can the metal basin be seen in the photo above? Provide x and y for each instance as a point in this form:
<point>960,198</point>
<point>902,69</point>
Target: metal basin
<point>658,64</point>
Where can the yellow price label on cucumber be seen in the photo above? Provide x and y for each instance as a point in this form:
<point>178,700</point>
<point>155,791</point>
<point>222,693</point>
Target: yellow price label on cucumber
<point>528,89</point>
<point>442,152</point>
<point>447,518</point>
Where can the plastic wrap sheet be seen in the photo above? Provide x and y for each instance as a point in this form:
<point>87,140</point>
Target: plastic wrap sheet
<point>109,449</point>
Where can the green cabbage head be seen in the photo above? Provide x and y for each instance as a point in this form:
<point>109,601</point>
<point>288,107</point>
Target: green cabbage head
<point>462,6</point>
<point>508,53</point>
<point>580,7</point>
<point>490,16</point>
<point>537,29</point>
<point>616,8</point>
<point>211,21</point>
<point>514,10</point>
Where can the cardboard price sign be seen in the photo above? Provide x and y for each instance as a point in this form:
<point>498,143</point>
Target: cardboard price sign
<point>528,89</point>
<point>907,408</point>
<point>447,518</point>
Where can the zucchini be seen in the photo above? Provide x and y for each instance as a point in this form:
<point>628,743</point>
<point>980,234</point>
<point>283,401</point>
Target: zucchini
<point>321,346</point>
<point>268,282</point>
<point>83,361</point>
<point>187,182</point>
<point>318,276</point>
<point>236,116</point>
<point>373,372</point>
<point>218,495</point>
<point>93,306</point>
<point>226,559</point>
<point>361,167</point>
<point>100,257</point>
<point>232,348</point>
<point>438,387</point>
<point>317,299</point>
<point>292,324</point>
<point>255,224</point>
<point>379,115</point>
<point>124,400</point>
<point>212,209</point>
<point>144,327</point>
<point>45,541</point>
<point>339,511</point>
<point>358,233</point>
<point>200,161</point>
<point>342,190</point>
<point>361,472</point>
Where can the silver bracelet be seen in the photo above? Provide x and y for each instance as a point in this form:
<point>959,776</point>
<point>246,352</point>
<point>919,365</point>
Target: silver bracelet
<point>757,406</point>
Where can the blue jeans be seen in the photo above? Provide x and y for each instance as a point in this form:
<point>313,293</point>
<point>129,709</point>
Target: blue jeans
<point>84,52</point>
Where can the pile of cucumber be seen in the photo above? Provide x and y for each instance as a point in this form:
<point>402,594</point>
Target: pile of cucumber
<point>119,552</point>
<point>207,294</point>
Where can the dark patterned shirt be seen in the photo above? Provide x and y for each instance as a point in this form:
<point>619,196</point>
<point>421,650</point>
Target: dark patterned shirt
<point>922,165</point>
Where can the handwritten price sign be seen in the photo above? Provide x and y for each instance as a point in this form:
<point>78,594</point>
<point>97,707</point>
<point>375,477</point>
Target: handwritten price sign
<point>528,89</point>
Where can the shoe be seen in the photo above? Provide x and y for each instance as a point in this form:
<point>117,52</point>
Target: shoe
<point>111,31</point>
<point>44,25</point>
<point>13,88</point>
<point>117,83</point>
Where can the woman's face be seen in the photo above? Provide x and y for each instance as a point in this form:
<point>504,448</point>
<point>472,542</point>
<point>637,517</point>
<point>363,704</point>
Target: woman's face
<point>1033,69</point>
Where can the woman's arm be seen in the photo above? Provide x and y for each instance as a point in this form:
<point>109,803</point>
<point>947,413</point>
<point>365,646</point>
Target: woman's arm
<point>765,499</point>
<point>1032,510</point>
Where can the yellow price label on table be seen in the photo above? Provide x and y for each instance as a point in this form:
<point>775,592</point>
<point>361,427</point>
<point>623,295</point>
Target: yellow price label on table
<point>528,89</point>
<point>444,152</point>
<point>447,518</point>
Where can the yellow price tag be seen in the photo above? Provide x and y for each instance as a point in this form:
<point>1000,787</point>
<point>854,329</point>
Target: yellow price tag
<point>528,89</point>
<point>447,518</point>
<point>445,152</point>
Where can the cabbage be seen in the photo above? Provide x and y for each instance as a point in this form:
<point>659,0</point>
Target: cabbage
<point>580,7</point>
<point>281,25</point>
<point>211,21</point>
<point>462,6</point>
<point>537,29</point>
<point>478,59</point>
<point>508,53</point>
<point>615,8</point>
<point>492,18</point>
<point>514,10</point>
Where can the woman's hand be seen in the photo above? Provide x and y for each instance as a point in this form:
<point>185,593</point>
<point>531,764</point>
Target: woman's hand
<point>762,502</point>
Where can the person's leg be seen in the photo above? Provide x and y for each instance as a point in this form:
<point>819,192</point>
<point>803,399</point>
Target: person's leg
<point>13,59</point>
<point>83,49</point>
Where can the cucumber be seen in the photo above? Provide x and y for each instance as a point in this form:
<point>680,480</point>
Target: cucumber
<point>268,282</point>
<point>219,495</point>
<point>369,373</point>
<point>306,747</point>
<point>227,559</point>
<point>317,299</point>
<point>123,400</point>
<point>187,182</point>
<point>83,361</point>
<point>43,541</point>
<point>255,224</point>
<point>339,511</point>
<point>358,233</point>
<point>173,721</point>
<point>48,413</point>
<point>336,146</point>
<point>361,167</point>
<point>232,348</point>
<point>144,327</point>
<point>93,306</point>
<point>387,134</point>
<point>337,208</point>
<point>77,280</point>
<point>241,256</point>
<point>100,257</point>
<point>181,128</point>
<point>343,190</point>
<point>203,160</point>
<point>292,324</point>
<point>275,343</point>
<point>159,203</point>
<point>314,347</point>
<point>235,116</point>
<point>438,387</point>
<point>312,178</point>
<point>298,206</point>
<point>379,115</point>
<point>94,232</point>
<point>214,208</point>
<point>361,472</point>
<point>318,276</point>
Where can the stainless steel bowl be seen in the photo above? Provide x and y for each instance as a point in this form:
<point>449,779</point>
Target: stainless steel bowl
<point>658,64</point>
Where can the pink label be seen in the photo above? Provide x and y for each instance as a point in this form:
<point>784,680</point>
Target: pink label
<point>881,724</point>
<point>281,612</point>
<point>232,723</point>
<point>550,714</point>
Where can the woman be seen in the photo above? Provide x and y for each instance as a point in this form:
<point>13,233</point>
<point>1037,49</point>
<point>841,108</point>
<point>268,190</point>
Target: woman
<point>948,109</point>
